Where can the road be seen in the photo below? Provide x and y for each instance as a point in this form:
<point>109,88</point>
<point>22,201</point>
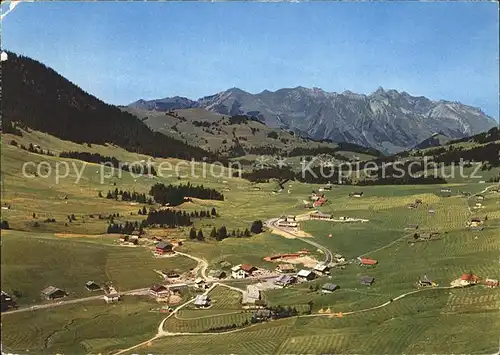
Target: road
<point>140,291</point>
<point>273,224</point>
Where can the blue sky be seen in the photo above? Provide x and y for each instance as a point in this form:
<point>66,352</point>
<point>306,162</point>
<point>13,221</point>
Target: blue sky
<point>123,51</point>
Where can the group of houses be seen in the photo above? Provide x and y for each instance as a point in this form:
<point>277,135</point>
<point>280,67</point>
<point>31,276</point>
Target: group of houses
<point>470,279</point>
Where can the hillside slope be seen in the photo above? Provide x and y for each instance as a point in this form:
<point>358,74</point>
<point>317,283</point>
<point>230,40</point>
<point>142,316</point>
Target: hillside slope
<point>234,136</point>
<point>37,97</point>
<point>390,121</point>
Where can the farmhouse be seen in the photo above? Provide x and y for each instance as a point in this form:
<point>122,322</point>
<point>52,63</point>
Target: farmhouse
<point>305,275</point>
<point>329,288</point>
<point>51,293</point>
<point>242,271</point>
<point>92,286</point>
<point>367,261</point>
<point>491,282</point>
<point>285,280</point>
<point>111,297</point>
<point>164,248</point>
<point>285,268</point>
<point>479,197</point>
<point>432,211</point>
<point>287,224</point>
<point>355,194</point>
<point>6,301</point>
<point>319,202</point>
<point>466,280</point>
<point>170,274</point>
<point>412,206</point>
<point>159,291</point>
<point>445,192</point>
<point>320,215</point>
<point>367,280</point>
<point>475,222</point>
<point>202,301</point>
<point>425,282</point>
<point>321,269</point>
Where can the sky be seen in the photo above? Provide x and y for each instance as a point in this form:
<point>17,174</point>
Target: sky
<point>124,51</point>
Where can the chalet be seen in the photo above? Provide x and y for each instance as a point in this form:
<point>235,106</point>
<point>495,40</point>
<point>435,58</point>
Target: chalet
<point>285,280</point>
<point>466,280</point>
<point>319,202</point>
<point>237,272</point>
<point>479,197</point>
<point>491,282</point>
<point>170,274</point>
<point>287,224</point>
<point>425,282</point>
<point>432,211</point>
<point>159,291</point>
<point>367,261</point>
<point>305,275</point>
<point>242,271</point>
<point>285,268</point>
<point>329,288</point>
<point>51,293</point>
<point>248,269</point>
<point>164,248</point>
<point>320,215</point>
<point>6,301</point>
<point>355,194</point>
<point>327,187</point>
<point>412,206</point>
<point>367,280</point>
<point>92,286</point>
<point>321,269</point>
<point>220,274</point>
<point>475,222</point>
<point>445,192</point>
<point>202,301</point>
<point>111,297</point>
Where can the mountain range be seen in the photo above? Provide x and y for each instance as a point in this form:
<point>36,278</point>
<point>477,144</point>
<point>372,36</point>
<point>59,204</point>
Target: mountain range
<point>387,120</point>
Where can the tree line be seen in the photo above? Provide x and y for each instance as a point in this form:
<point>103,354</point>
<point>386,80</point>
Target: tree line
<point>174,195</point>
<point>136,167</point>
<point>127,196</point>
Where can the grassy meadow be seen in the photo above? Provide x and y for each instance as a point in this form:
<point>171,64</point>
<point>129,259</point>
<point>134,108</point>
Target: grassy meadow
<point>36,254</point>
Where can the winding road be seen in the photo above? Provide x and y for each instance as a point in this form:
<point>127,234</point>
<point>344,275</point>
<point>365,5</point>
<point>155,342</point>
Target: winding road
<point>273,224</point>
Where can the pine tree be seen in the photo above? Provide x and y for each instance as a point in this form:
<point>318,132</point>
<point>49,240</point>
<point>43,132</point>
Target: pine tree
<point>213,233</point>
<point>192,233</point>
<point>200,236</point>
<point>100,194</point>
<point>247,233</point>
<point>214,212</point>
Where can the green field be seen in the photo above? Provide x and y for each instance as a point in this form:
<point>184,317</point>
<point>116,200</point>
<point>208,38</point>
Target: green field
<point>31,262</point>
<point>35,255</point>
